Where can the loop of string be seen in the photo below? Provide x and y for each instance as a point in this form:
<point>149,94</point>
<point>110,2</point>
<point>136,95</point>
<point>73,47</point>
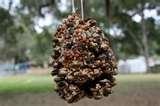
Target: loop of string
<point>73,7</point>
<point>82,9</point>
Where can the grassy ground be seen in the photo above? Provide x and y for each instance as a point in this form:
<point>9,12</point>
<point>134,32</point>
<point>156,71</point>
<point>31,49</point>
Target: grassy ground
<point>26,83</point>
<point>40,83</point>
<point>29,90</point>
<point>128,83</point>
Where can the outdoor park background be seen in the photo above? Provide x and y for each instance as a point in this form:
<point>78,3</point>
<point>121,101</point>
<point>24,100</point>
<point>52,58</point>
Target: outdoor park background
<point>26,31</point>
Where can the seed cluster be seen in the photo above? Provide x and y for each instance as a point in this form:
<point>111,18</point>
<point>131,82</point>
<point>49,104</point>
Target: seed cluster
<point>83,63</point>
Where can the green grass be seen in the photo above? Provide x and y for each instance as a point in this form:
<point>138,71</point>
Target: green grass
<point>30,83</point>
<point>135,82</point>
<point>26,83</point>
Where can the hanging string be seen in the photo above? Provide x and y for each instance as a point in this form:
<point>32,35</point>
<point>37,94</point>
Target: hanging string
<point>82,9</point>
<point>73,7</point>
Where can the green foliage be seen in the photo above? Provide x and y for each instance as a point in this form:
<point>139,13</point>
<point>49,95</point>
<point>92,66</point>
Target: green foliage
<point>19,37</point>
<point>42,48</point>
<point>5,21</point>
<point>132,31</point>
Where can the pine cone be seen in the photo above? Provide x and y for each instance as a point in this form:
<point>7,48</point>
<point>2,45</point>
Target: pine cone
<point>83,61</point>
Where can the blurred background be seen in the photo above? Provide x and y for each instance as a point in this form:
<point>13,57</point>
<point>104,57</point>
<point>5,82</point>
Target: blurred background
<point>26,31</point>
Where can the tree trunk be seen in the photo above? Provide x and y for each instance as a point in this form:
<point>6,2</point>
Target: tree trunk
<point>108,11</point>
<point>145,40</point>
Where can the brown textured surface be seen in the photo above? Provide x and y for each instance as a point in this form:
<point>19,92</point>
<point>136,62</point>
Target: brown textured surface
<point>138,97</point>
<point>83,64</point>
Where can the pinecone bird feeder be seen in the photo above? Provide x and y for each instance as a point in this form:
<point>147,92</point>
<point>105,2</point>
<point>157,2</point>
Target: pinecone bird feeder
<point>83,63</point>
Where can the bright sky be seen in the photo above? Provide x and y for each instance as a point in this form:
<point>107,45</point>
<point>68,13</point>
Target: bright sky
<point>148,14</point>
<point>4,3</point>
